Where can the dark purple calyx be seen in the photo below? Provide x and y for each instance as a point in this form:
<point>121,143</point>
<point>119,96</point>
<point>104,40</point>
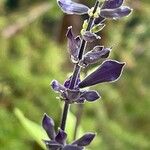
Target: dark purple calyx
<point>61,137</point>
<point>84,140</point>
<point>109,71</point>
<point>48,125</point>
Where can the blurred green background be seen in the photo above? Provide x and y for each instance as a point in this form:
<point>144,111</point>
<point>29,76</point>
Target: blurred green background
<point>33,52</point>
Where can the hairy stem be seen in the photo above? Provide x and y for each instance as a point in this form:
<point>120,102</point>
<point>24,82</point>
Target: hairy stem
<point>77,69</point>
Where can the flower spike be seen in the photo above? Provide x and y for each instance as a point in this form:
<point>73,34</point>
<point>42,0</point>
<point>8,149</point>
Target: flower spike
<point>109,71</point>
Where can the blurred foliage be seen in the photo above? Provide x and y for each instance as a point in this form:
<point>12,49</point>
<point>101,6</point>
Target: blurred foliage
<point>35,130</point>
<point>31,58</point>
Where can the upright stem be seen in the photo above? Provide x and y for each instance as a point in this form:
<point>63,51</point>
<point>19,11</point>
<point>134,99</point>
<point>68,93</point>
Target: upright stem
<point>77,69</point>
<point>64,116</point>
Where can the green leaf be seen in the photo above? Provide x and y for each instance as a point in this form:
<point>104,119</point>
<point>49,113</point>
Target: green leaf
<point>35,130</point>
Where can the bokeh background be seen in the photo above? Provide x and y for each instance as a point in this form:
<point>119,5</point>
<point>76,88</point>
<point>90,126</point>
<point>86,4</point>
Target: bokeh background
<point>33,52</point>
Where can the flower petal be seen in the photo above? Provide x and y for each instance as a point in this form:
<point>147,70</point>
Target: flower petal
<point>70,7</point>
<point>61,137</point>
<point>73,44</point>
<point>91,95</point>
<point>84,140</point>
<point>109,71</point>
<point>72,147</point>
<point>111,4</point>
<point>116,13</point>
<point>90,37</point>
<point>95,55</point>
<point>48,125</point>
<point>56,86</point>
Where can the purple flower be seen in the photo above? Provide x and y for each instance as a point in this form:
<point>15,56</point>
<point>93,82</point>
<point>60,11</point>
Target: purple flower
<point>115,13</point>
<point>58,141</point>
<point>73,45</point>
<point>112,9</point>
<point>90,95</point>
<point>75,95</point>
<point>70,7</point>
<point>109,71</point>
<point>95,55</point>
<point>61,137</point>
<point>90,37</point>
<point>57,87</point>
<point>48,125</point>
<point>85,140</point>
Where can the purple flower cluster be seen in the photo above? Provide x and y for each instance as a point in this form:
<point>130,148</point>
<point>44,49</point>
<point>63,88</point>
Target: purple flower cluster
<point>58,140</point>
<point>110,8</point>
<point>72,91</point>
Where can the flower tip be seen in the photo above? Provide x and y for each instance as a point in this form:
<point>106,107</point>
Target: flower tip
<point>92,134</point>
<point>48,125</point>
<point>122,63</point>
<point>44,117</point>
<point>69,32</point>
<point>130,10</point>
<point>47,121</point>
<point>52,82</point>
